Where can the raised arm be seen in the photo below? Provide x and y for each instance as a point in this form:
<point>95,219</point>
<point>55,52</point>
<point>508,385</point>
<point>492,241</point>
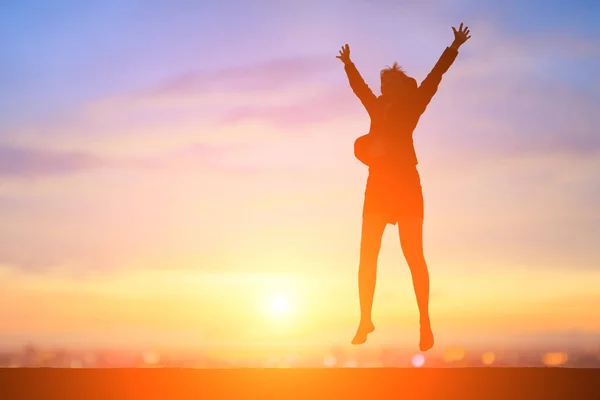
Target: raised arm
<point>357,83</point>
<point>430,84</point>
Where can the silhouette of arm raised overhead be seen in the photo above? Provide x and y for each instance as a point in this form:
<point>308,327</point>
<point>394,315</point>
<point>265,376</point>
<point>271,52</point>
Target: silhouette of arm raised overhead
<point>430,84</point>
<point>359,87</point>
<point>357,83</point>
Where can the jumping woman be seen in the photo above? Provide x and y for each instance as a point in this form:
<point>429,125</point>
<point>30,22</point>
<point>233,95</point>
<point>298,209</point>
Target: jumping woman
<point>393,192</point>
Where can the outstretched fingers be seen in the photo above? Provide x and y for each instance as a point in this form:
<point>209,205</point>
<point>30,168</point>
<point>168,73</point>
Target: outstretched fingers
<point>462,33</point>
<point>344,53</point>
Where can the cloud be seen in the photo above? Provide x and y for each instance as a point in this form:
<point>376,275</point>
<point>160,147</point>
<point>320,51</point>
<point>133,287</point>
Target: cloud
<point>326,106</point>
<point>16,161</point>
<point>236,158</point>
<point>276,74</point>
<point>279,157</point>
<point>54,255</point>
<point>208,157</point>
<point>26,162</point>
<point>184,105</point>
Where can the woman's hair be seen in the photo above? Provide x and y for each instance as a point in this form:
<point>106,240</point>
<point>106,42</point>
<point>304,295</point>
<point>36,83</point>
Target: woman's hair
<point>394,69</point>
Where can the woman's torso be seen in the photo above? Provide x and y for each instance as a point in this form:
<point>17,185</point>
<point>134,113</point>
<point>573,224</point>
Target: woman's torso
<point>393,123</point>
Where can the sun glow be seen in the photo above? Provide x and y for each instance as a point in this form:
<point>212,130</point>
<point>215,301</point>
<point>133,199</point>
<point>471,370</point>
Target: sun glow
<point>278,304</point>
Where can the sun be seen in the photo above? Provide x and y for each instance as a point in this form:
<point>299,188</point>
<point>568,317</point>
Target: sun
<point>278,304</point>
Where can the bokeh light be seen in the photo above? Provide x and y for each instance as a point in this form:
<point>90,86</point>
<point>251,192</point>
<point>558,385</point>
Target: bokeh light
<point>330,361</point>
<point>453,354</point>
<point>488,358</point>
<point>555,359</point>
<point>418,360</point>
<point>151,357</point>
<point>291,359</point>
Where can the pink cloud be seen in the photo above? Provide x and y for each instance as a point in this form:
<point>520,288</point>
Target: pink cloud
<point>18,161</point>
<point>328,105</point>
<point>267,76</point>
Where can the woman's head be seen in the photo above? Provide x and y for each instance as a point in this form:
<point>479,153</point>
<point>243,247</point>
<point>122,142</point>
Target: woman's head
<point>394,81</point>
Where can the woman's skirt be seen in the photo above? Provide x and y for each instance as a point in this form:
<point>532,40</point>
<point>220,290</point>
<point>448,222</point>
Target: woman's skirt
<point>394,194</point>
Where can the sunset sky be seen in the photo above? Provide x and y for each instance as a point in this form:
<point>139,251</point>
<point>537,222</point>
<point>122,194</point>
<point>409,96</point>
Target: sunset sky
<point>181,172</point>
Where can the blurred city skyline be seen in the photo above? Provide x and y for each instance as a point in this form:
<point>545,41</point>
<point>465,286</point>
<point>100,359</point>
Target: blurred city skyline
<point>333,357</point>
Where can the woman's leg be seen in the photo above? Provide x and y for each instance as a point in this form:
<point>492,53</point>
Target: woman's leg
<point>373,226</point>
<point>410,230</point>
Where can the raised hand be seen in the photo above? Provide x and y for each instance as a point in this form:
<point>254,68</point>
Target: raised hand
<point>345,54</point>
<point>460,36</point>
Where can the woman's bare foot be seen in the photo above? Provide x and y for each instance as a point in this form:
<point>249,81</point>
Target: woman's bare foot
<point>426,341</point>
<point>363,330</point>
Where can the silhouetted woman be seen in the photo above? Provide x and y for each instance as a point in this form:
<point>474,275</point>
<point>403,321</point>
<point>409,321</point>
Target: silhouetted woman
<point>393,192</point>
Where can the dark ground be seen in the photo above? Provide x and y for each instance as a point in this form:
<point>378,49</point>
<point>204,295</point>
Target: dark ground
<point>175,383</point>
